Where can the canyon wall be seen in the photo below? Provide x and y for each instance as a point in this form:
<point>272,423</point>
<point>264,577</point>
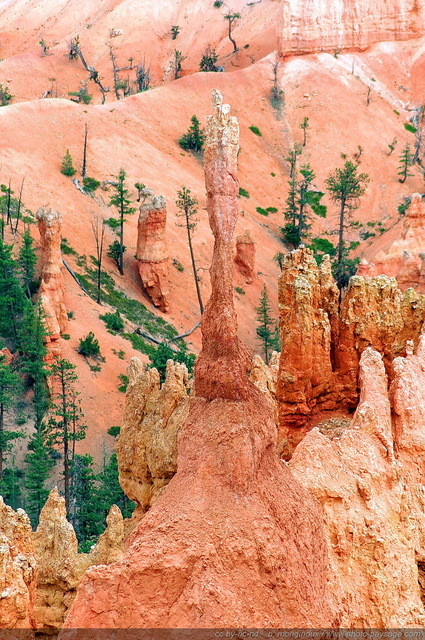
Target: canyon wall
<point>152,253</point>
<point>322,345</point>
<point>233,540</point>
<point>334,25</point>
<point>52,286</point>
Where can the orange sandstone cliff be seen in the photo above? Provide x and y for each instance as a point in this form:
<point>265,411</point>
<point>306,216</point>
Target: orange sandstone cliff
<point>233,540</point>
<point>335,25</point>
<point>152,253</point>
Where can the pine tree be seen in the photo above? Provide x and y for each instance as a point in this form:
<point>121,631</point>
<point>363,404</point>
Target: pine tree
<point>345,187</point>
<point>304,126</point>
<point>405,160</point>
<point>12,297</point>
<point>67,167</point>
<point>27,261</point>
<point>10,384</point>
<point>32,353</point>
<point>267,330</point>
<point>301,203</point>
<point>194,138</point>
<point>187,205</point>
<point>38,465</point>
<point>65,426</point>
<point>10,485</point>
<point>122,202</point>
<point>231,18</point>
<point>85,508</point>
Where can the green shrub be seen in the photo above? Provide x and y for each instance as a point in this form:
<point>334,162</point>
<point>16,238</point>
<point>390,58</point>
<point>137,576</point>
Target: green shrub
<point>113,321</point>
<point>255,130</point>
<point>124,382</point>
<point>5,96</point>
<point>240,291</point>
<point>262,211</point>
<point>410,127</point>
<point>90,184</point>
<point>89,346</point>
<point>243,192</point>
<point>66,336</point>
<point>178,265</point>
<point>114,431</point>
<point>271,209</point>
<point>66,249</point>
<point>218,3</point>
<point>82,95</point>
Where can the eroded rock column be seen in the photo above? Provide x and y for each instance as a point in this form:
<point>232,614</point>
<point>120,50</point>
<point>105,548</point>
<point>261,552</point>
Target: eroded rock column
<point>52,288</point>
<point>152,253</point>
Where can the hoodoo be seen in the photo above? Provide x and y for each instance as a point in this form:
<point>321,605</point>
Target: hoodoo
<point>152,253</point>
<point>52,283</point>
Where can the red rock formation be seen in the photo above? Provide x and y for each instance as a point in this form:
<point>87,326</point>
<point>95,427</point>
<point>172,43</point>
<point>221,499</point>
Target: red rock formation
<point>152,255</point>
<point>17,570</point>
<point>335,25</point>
<point>60,567</point>
<point>321,349</point>
<point>400,252</point>
<point>233,541</point>
<point>52,283</point>
<point>245,256</point>
<point>147,445</point>
<point>367,502</point>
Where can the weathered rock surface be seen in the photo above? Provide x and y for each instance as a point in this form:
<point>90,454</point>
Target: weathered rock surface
<point>335,25</point>
<point>245,256</point>
<point>17,570</point>
<point>365,489</point>
<point>60,567</point>
<point>233,540</point>
<point>147,445</point>
<point>152,253</point>
<point>321,347</point>
<point>52,282</point>
<point>401,255</point>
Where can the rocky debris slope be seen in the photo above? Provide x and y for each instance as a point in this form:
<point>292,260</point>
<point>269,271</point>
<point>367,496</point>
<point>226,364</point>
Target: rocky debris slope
<point>321,346</point>
<point>335,25</point>
<point>147,444</point>
<point>152,253</point>
<point>234,540</point>
<point>245,256</point>
<point>402,256</point>
<point>17,570</point>
<point>372,496</point>
<point>52,284</point>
